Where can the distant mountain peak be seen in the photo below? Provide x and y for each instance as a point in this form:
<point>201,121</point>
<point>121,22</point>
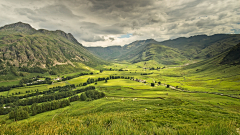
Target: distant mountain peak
<point>25,28</point>
<point>17,25</point>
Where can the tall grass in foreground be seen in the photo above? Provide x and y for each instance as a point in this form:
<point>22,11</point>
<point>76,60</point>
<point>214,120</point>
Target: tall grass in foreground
<point>111,124</point>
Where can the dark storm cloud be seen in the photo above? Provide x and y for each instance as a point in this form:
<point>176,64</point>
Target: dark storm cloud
<point>105,20</point>
<point>98,29</point>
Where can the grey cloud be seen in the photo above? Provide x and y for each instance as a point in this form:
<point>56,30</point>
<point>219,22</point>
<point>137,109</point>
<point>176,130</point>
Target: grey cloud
<point>206,23</point>
<point>87,37</point>
<point>24,11</point>
<point>91,20</point>
<point>57,11</point>
<point>112,39</point>
<point>222,15</point>
<point>48,13</point>
<point>124,5</point>
<point>98,29</point>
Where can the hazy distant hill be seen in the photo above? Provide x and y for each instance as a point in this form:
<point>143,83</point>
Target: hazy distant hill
<point>170,51</point>
<point>117,52</point>
<point>23,46</point>
<point>159,53</point>
<point>107,53</point>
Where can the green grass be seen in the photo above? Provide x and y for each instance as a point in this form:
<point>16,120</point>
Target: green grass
<point>7,83</point>
<point>185,113</point>
<point>132,107</point>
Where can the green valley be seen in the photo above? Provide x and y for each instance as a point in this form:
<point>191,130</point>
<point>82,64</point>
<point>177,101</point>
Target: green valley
<point>51,84</point>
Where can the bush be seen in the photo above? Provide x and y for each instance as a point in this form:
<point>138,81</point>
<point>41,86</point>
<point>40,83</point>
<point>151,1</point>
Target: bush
<point>152,84</point>
<point>83,97</point>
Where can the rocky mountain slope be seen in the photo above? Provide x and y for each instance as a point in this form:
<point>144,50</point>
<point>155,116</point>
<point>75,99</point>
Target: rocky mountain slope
<point>23,46</point>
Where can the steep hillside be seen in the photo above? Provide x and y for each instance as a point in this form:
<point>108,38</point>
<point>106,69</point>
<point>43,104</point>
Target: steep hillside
<point>23,46</point>
<point>233,56</point>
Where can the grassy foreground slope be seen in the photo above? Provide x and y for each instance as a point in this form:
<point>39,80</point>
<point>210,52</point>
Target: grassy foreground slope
<point>132,107</point>
<point>129,110</point>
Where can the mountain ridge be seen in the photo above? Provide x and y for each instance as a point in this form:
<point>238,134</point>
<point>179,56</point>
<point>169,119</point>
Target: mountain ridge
<point>23,46</point>
<point>196,47</point>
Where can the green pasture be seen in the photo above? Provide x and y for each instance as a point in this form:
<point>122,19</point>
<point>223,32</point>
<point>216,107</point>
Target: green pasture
<point>124,107</point>
<point>7,83</point>
<point>138,108</point>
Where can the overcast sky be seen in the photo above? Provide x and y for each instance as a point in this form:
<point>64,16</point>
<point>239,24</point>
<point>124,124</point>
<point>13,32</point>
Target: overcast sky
<point>119,22</point>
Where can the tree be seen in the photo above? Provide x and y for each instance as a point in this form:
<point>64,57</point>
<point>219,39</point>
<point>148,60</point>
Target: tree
<point>152,84</point>
<point>83,97</point>
<point>168,86</point>
<point>105,81</point>
<point>52,72</point>
<point>34,109</point>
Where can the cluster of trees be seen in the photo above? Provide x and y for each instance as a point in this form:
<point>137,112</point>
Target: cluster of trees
<point>62,92</point>
<point>12,102</point>
<point>20,113</point>
<point>74,76</point>
<point>91,80</point>
<point>46,81</point>
<point>153,84</point>
<point>152,68</point>
<point>91,95</point>
<point>11,99</point>
<point>33,69</point>
<point>48,106</point>
<point>122,70</point>
<point>26,80</point>
<point>7,88</point>
<point>146,73</point>
<point>110,69</point>
<point>121,77</point>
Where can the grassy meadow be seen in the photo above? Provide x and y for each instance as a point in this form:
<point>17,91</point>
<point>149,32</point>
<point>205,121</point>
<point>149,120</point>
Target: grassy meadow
<point>132,107</point>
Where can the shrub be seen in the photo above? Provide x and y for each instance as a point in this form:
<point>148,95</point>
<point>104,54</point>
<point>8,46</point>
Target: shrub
<point>83,97</point>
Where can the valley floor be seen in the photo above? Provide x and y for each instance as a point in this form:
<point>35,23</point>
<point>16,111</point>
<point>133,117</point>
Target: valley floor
<point>201,99</point>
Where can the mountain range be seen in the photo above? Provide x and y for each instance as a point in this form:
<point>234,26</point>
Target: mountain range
<point>170,52</point>
<point>25,49</point>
